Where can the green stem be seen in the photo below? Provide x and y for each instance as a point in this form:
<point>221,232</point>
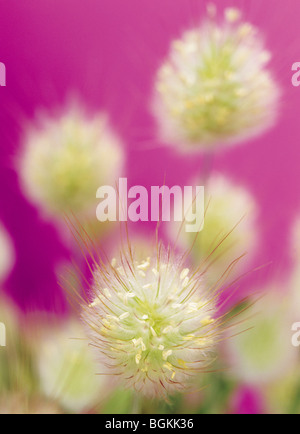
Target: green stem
<point>136,404</point>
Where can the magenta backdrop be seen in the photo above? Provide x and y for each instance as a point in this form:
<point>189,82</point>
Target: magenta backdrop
<point>107,52</point>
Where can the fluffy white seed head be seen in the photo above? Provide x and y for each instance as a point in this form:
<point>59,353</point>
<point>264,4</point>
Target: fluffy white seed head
<point>264,353</point>
<point>153,323</point>
<point>66,367</point>
<point>215,86</point>
<point>67,159</point>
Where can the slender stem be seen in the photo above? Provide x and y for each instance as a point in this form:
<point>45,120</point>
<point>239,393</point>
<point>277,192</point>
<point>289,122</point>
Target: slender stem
<point>206,169</point>
<point>136,404</point>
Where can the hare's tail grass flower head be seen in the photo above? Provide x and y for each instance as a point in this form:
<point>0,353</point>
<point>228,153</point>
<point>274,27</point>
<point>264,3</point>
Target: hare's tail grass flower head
<point>215,86</point>
<point>231,225</point>
<point>265,353</point>
<point>66,159</point>
<point>67,369</point>
<point>153,323</point>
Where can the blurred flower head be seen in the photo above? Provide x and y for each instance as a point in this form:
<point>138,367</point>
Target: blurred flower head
<point>67,159</point>
<point>66,368</point>
<point>229,229</point>
<point>152,322</point>
<point>264,354</point>
<point>215,86</point>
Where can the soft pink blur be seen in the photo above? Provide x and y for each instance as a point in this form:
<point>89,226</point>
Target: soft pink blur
<point>247,400</point>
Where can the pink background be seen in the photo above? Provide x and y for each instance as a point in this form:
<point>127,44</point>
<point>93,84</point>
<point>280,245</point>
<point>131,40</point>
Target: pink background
<point>107,52</point>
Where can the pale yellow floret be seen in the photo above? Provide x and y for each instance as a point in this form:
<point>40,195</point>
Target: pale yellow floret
<point>167,330</point>
<point>207,321</point>
<point>153,332</point>
<point>138,358</point>
<point>95,303</point>
<point>232,15</point>
<point>182,363</point>
<point>166,354</point>
<point>155,272</point>
<point>245,29</point>
<point>170,368</point>
<point>107,293</point>
<point>186,282</point>
<point>144,266</point>
<point>184,273</point>
<point>189,338</point>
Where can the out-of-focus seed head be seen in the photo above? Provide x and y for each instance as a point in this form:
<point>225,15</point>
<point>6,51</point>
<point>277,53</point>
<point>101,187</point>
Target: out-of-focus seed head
<point>67,159</point>
<point>67,369</point>
<point>264,353</point>
<point>215,86</point>
<point>229,230</point>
